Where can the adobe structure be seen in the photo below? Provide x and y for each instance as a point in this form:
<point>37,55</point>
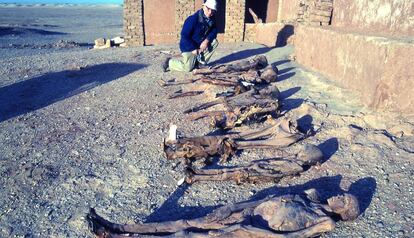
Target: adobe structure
<point>148,22</point>
<point>366,45</point>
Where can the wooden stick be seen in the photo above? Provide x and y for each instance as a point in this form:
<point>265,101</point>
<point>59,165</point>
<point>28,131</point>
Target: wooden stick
<point>185,94</point>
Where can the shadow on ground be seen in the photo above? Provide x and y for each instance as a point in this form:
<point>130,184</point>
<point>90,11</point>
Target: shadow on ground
<point>283,77</point>
<point>281,41</point>
<point>170,210</point>
<point>290,104</point>
<point>329,147</point>
<point>285,70</point>
<point>289,92</point>
<point>363,189</point>
<point>5,31</point>
<point>284,34</point>
<point>305,125</point>
<point>280,62</point>
<point>39,92</point>
<point>328,186</point>
<point>240,55</point>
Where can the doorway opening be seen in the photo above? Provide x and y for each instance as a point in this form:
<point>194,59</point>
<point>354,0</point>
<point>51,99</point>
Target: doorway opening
<point>266,10</point>
<point>221,16</point>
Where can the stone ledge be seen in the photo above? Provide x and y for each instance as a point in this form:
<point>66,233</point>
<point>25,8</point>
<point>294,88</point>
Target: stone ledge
<point>380,69</point>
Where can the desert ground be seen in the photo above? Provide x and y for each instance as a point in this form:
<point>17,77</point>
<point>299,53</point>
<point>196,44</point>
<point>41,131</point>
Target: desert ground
<point>82,128</point>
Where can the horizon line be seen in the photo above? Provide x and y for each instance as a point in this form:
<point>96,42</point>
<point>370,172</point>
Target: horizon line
<point>66,3</point>
<point>61,2</point>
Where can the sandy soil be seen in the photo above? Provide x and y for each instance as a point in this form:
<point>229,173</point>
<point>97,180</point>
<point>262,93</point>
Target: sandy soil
<point>83,128</point>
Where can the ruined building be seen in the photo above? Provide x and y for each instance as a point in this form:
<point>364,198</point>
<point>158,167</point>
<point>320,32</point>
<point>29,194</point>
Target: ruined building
<point>366,45</point>
<point>149,22</point>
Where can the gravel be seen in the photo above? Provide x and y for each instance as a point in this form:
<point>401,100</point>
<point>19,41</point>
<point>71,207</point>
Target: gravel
<point>83,128</point>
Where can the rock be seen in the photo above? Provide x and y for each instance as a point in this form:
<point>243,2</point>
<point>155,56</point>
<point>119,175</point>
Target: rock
<point>118,40</point>
<point>108,44</point>
<point>181,181</point>
<point>405,129</point>
<point>99,42</point>
<point>5,231</point>
<point>102,43</point>
<point>405,143</point>
<point>62,44</point>
<point>375,122</point>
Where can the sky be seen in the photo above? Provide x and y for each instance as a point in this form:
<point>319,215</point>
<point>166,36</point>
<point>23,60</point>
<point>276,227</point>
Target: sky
<point>62,1</point>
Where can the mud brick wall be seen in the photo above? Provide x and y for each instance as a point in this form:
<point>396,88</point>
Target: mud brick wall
<point>272,11</point>
<point>184,8</point>
<point>315,12</point>
<point>288,10</point>
<point>250,32</point>
<point>133,23</point>
<point>235,13</point>
<point>379,17</point>
<point>139,31</point>
<point>380,69</point>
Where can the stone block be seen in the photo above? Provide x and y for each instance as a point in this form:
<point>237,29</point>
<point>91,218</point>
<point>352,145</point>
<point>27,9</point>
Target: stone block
<point>118,40</point>
<point>380,69</point>
<point>267,33</point>
<point>100,42</point>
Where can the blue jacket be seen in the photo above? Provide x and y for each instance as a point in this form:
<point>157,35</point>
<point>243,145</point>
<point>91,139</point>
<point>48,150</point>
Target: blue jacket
<point>196,29</point>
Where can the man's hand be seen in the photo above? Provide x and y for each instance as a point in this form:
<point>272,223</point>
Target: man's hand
<point>195,52</point>
<point>204,45</point>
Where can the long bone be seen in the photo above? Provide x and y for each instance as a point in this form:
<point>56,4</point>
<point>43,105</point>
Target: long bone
<point>264,170</point>
<point>251,77</point>
<point>230,119</point>
<point>251,104</point>
<point>282,134</point>
<point>173,82</point>
<point>180,93</point>
<point>287,216</point>
<point>248,98</point>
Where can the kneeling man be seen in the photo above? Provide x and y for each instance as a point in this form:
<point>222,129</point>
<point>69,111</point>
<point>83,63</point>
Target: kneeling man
<point>198,39</point>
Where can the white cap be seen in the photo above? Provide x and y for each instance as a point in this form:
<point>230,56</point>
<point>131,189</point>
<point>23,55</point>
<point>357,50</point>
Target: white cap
<point>212,4</point>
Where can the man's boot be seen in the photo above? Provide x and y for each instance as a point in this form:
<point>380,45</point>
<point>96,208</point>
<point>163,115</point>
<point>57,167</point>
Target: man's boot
<point>200,59</point>
<point>165,64</point>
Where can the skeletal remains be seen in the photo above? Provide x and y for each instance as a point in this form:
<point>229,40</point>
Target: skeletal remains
<point>287,216</point>
<point>258,62</point>
<point>241,74</point>
<point>248,105</point>
<point>248,71</point>
<point>242,81</point>
<point>264,170</point>
<point>282,134</point>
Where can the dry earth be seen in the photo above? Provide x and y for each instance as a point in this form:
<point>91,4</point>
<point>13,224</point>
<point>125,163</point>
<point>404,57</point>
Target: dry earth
<point>83,128</point>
